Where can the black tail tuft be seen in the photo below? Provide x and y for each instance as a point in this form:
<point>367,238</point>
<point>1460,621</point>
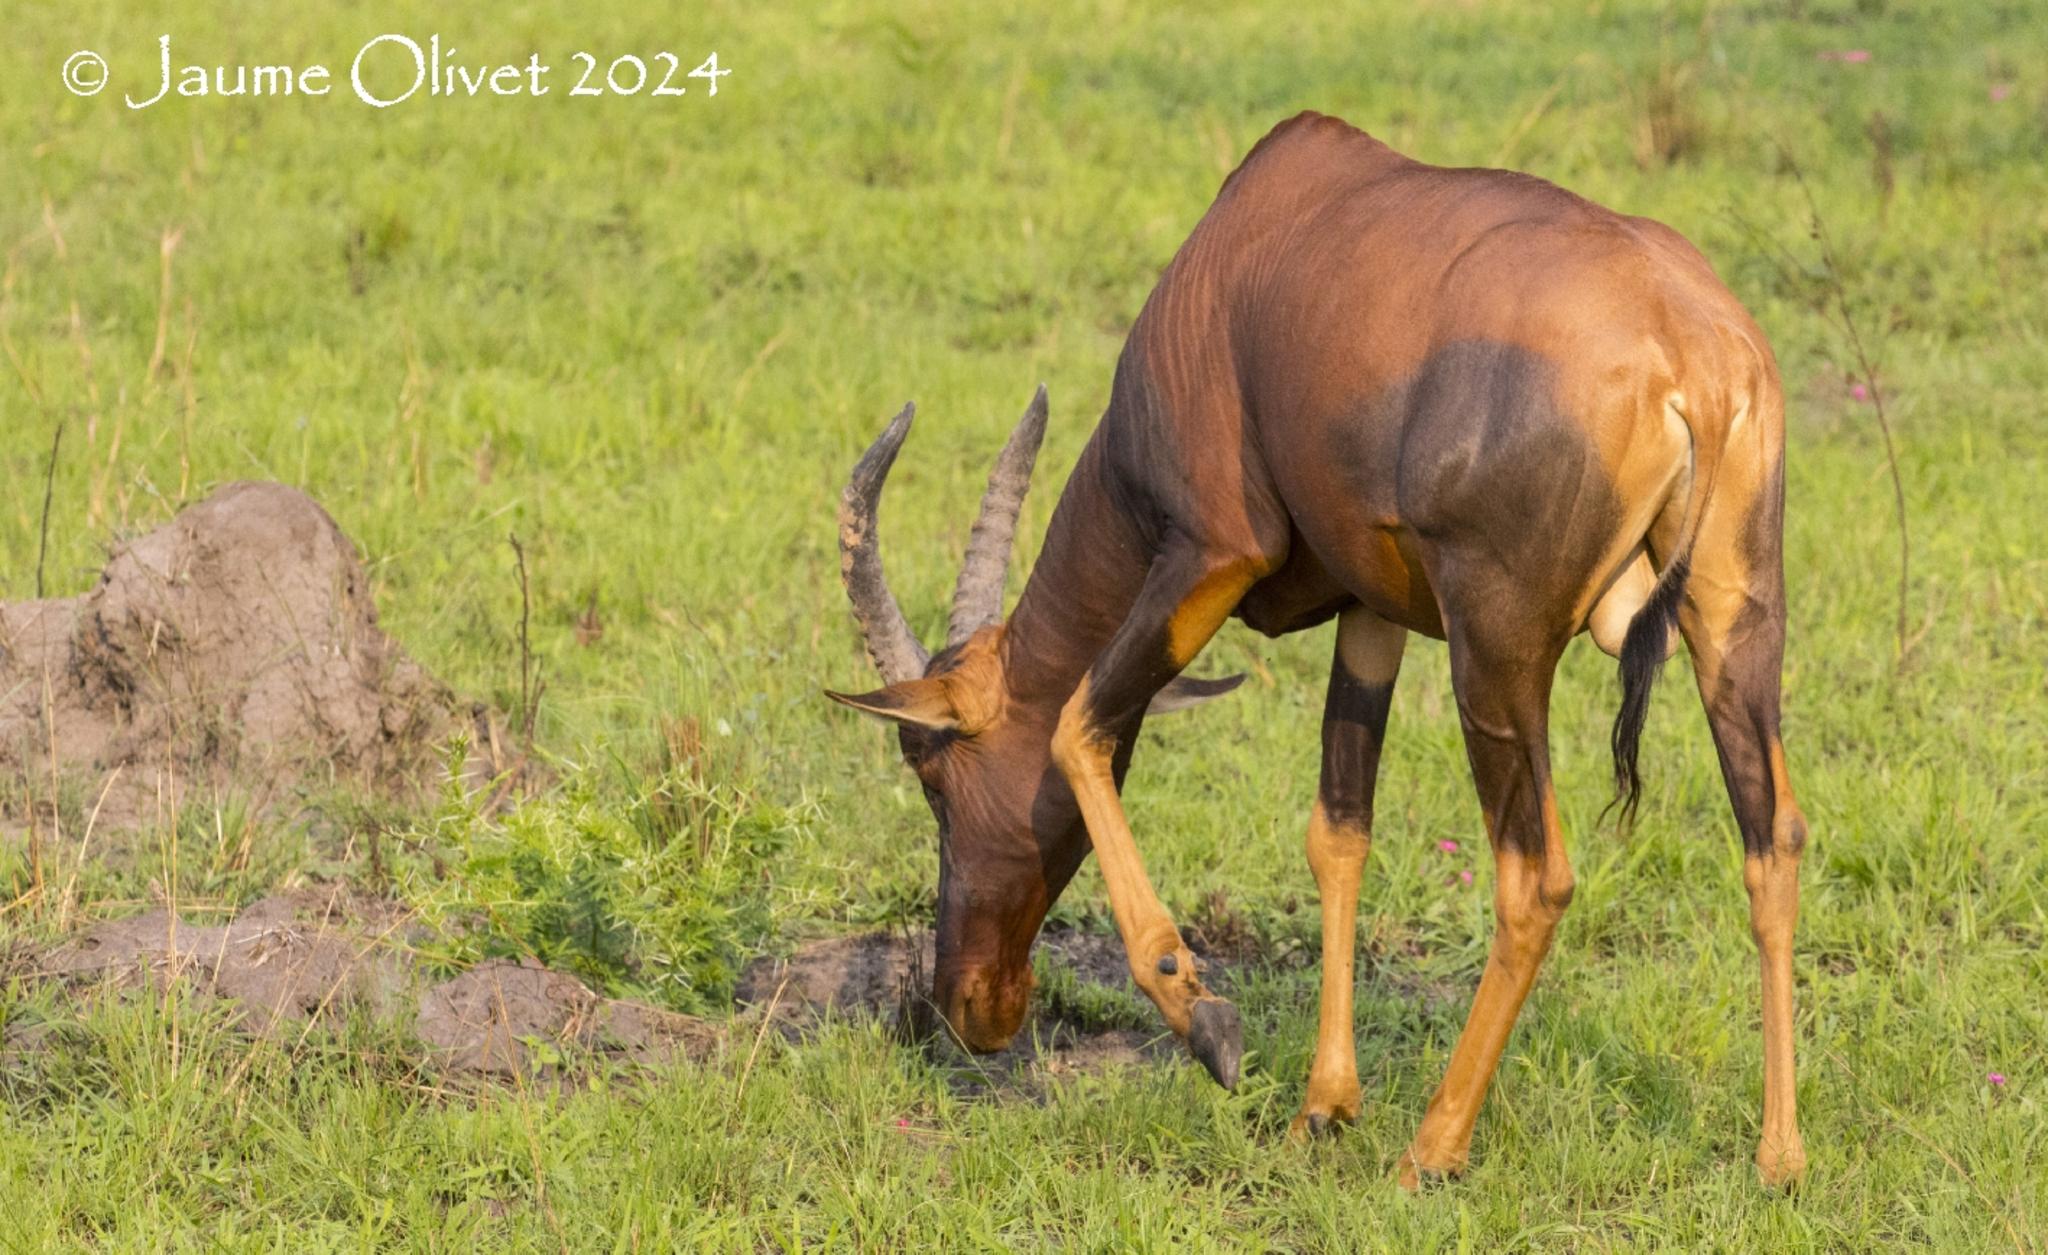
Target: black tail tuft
<point>1642,655</point>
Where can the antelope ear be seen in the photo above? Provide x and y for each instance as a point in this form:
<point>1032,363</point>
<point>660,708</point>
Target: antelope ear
<point>921,702</point>
<point>1183,691</point>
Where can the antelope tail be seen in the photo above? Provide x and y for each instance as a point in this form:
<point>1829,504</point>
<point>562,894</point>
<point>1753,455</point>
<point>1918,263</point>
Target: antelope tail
<point>1649,632</point>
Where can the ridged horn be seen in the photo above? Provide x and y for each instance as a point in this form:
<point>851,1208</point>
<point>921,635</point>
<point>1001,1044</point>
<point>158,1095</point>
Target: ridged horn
<point>896,651</point>
<point>978,596</point>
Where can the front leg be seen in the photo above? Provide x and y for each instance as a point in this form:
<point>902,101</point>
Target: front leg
<point>1187,596</point>
<point>1368,657</point>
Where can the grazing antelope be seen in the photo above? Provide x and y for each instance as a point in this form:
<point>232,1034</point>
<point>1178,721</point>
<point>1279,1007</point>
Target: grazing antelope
<point>1464,403</point>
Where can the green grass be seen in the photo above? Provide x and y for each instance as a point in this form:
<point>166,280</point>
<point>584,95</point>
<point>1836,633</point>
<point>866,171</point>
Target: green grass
<point>650,337</point>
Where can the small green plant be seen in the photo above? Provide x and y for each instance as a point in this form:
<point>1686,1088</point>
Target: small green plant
<point>599,884</point>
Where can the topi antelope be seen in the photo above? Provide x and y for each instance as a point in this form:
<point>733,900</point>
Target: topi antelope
<point>1464,403</point>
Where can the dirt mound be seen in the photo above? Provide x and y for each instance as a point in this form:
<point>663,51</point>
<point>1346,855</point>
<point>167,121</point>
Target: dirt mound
<point>316,955</point>
<point>281,966</point>
<point>866,974</point>
<point>234,648</point>
<point>506,1018</point>
<point>1086,1017</point>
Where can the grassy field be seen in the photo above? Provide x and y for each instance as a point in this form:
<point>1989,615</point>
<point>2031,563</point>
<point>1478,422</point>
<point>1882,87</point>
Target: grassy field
<point>650,336</point>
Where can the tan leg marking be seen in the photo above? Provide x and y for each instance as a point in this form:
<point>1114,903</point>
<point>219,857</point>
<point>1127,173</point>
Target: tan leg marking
<point>1083,755</point>
<point>1529,898</point>
<point>1336,856</point>
<point>1142,921</point>
<point>1370,647</point>
<point>1205,608</point>
<point>1773,884</point>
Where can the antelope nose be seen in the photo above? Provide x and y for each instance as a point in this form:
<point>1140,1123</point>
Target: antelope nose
<point>984,1010</point>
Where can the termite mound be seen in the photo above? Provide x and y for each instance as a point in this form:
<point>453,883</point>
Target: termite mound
<point>232,652</point>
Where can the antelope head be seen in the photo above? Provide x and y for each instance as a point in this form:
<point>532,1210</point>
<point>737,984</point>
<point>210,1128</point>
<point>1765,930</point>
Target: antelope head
<point>1010,835</point>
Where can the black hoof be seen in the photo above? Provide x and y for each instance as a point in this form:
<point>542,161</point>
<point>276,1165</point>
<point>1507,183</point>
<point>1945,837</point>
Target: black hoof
<point>1216,1037</point>
<point>1318,1124</point>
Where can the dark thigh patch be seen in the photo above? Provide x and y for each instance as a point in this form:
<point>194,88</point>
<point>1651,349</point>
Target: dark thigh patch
<point>1493,471</point>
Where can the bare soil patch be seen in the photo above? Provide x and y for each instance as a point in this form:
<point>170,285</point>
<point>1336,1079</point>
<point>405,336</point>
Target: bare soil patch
<point>880,975</point>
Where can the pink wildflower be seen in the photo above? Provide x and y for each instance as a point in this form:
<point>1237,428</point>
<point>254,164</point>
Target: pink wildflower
<point>1465,876</point>
<point>1997,1079</point>
<point>902,1123</point>
<point>1853,56</point>
<point>1860,392</point>
<point>1448,847</point>
<point>2000,91</point>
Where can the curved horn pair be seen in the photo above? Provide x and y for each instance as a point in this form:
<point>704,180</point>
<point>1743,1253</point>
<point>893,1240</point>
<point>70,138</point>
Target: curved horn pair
<point>978,595</point>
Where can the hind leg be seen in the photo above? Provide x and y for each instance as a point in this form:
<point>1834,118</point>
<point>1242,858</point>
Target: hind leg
<point>1503,686</point>
<point>1733,618</point>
